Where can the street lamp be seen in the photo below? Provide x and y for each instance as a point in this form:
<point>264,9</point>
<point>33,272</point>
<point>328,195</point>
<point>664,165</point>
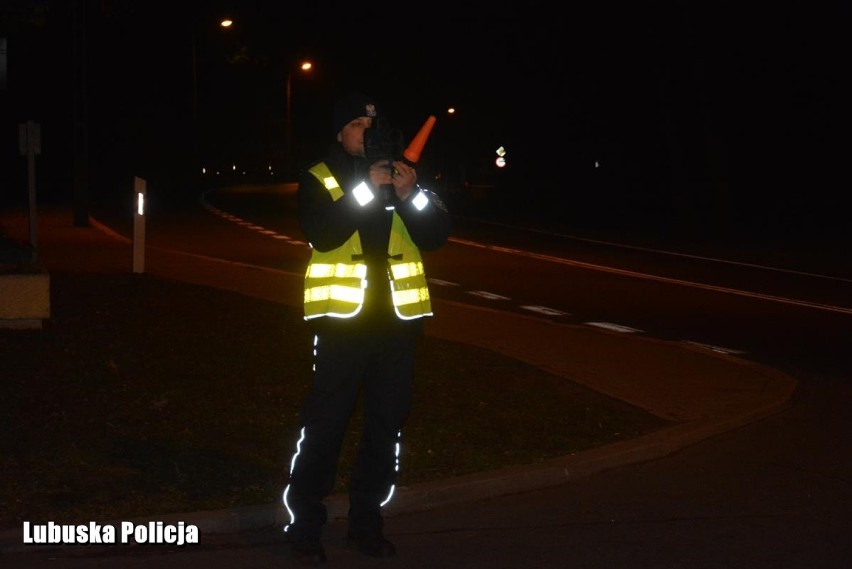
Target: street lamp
<point>305,67</point>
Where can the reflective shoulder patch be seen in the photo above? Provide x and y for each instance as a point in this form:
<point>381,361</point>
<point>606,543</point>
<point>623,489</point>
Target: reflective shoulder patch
<point>420,200</point>
<point>363,193</point>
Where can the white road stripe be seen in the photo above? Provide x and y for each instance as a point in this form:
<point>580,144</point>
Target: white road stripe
<point>488,295</point>
<point>544,310</point>
<point>680,282</point>
<point>712,348</point>
<point>614,327</point>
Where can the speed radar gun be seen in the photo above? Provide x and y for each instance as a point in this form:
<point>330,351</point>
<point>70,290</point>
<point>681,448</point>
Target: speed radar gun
<point>381,142</point>
<point>384,143</point>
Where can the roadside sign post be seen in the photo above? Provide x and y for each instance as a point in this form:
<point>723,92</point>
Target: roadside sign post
<point>29,145</point>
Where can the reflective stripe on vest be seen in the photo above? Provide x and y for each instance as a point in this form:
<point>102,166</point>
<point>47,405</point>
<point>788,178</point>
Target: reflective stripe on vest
<point>409,289</point>
<point>335,283</point>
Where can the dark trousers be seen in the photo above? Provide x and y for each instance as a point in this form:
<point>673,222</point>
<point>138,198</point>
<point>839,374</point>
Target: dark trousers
<point>381,365</point>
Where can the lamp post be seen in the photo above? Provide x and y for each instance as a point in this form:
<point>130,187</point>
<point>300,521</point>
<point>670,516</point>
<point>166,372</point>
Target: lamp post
<point>305,66</point>
<point>226,24</point>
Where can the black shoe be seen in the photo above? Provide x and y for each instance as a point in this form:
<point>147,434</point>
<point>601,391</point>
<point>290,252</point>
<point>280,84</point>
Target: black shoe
<point>308,551</point>
<point>372,544</point>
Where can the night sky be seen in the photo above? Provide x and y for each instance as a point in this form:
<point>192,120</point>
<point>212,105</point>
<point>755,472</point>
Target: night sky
<point>658,115</point>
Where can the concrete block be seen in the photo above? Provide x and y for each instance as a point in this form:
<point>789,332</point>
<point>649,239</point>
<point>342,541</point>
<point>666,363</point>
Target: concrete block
<point>24,297</point>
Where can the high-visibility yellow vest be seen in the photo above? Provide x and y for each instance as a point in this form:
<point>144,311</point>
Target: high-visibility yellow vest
<point>335,280</point>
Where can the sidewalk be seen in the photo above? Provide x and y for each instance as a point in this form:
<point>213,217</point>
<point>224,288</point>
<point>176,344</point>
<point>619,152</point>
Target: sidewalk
<point>704,392</point>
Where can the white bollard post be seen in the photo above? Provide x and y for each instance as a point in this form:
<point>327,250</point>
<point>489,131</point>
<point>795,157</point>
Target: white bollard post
<point>139,226</point>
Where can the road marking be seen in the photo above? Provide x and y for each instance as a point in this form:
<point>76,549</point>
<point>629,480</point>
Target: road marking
<point>614,327</point>
<point>712,348</point>
<point>441,282</point>
<point>668,280</point>
<point>488,295</point>
<point>545,310</point>
<point>667,252</point>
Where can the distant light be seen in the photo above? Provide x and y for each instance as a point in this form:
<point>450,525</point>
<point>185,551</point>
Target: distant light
<point>226,23</point>
<point>306,66</point>
<point>597,164</point>
<point>234,167</point>
<point>451,111</point>
<point>501,157</point>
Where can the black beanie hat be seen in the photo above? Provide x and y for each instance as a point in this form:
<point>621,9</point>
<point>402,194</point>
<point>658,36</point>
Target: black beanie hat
<point>351,107</point>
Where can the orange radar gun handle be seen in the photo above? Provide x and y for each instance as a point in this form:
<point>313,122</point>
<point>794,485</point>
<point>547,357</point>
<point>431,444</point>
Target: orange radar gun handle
<point>412,153</point>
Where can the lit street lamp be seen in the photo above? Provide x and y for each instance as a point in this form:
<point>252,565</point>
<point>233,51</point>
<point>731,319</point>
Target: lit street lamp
<point>305,66</point>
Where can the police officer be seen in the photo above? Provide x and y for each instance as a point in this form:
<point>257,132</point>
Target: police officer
<point>366,295</point>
